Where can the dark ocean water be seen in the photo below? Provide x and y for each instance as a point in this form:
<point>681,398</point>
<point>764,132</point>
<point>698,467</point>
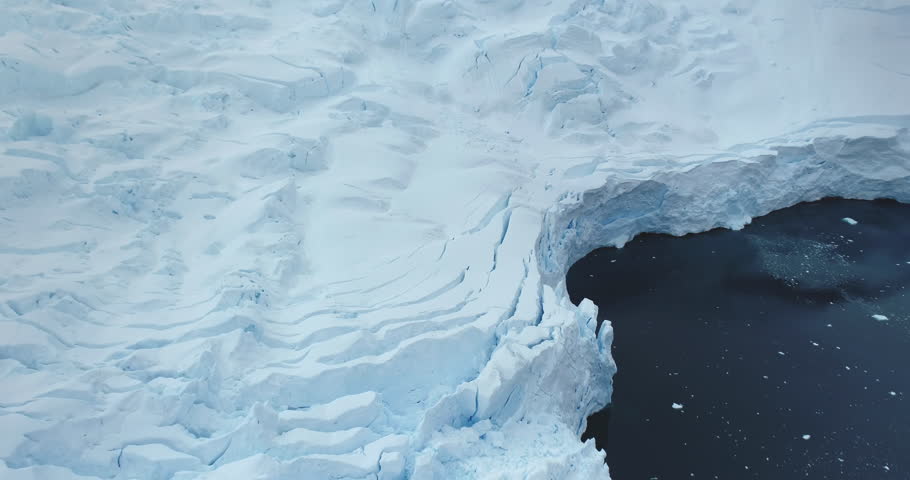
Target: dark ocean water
<point>767,339</point>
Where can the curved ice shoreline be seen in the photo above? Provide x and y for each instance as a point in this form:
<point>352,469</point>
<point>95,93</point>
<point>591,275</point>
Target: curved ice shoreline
<point>260,240</point>
<point>677,203</point>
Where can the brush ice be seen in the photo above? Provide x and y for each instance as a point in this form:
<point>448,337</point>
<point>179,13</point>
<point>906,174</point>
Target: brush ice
<point>849,221</point>
<point>280,240</point>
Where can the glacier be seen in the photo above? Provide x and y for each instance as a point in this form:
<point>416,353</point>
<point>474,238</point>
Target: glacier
<point>328,239</point>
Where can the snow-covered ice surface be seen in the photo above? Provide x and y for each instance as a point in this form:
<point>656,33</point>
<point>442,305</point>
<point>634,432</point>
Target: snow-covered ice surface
<point>327,239</point>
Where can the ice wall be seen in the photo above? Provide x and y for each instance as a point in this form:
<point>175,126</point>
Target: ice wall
<point>281,240</point>
<point>739,189</point>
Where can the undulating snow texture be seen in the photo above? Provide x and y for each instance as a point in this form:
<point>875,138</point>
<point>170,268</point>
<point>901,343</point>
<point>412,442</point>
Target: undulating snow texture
<point>274,239</point>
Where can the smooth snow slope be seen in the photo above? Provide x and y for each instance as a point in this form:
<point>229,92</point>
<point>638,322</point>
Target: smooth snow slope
<point>326,239</point>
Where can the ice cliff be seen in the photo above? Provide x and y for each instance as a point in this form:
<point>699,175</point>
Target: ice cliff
<point>326,239</point>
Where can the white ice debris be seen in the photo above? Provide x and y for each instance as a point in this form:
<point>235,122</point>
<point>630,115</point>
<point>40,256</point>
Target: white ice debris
<point>677,406</point>
<point>880,318</point>
<point>327,239</point>
<point>806,437</point>
<point>849,221</point>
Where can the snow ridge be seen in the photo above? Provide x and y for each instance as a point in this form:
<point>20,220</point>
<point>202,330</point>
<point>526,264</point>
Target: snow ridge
<point>266,239</point>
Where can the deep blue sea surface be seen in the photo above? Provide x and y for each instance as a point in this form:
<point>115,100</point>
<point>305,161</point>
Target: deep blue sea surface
<point>781,351</point>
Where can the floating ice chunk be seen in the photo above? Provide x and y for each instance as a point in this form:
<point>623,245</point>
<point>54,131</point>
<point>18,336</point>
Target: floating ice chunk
<point>893,394</point>
<point>806,437</point>
<point>849,221</point>
<point>677,406</point>
<point>880,318</point>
